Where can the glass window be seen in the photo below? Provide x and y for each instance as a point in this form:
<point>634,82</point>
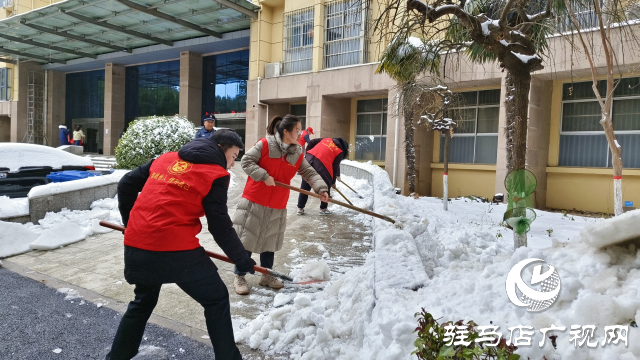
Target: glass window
<point>152,89</point>
<point>298,40</point>
<point>345,41</point>
<point>84,96</point>
<point>301,112</point>
<point>371,129</point>
<point>224,83</point>
<point>5,84</point>
<point>582,139</point>
<point>475,139</point>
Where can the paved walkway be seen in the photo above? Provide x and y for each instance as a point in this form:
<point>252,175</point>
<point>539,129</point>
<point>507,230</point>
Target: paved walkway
<point>95,267</point>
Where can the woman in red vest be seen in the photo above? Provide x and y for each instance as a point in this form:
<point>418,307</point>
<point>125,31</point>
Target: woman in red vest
<point>261,217</point>
<point>304,137</point>
<point>324,155</point>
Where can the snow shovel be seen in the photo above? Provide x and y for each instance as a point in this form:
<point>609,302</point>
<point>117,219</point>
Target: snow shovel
<point>226,259</point>
<point>339,192</point>
<point>358,195</point>
<point>371,213</point>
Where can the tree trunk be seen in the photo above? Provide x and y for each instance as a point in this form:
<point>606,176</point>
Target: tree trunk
<point>616,158</point>
<point>519,240</point>
<point>410,151</point>
<point>518,85</point>
<point>445,177</point>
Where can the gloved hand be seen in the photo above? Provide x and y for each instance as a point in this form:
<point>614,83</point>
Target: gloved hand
<point>246,266</point>
<point>338,178</point>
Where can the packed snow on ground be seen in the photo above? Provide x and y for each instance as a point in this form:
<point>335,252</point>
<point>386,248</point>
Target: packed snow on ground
<point>17,155</point>
<point>466,255</point>
<point>314,270</point>
<point>13,207</point>
<point>57,229</point>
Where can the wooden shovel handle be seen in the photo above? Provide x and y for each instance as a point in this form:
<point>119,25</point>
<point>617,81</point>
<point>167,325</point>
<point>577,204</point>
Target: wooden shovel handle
<point>212,254</point>
<point>371,213</point>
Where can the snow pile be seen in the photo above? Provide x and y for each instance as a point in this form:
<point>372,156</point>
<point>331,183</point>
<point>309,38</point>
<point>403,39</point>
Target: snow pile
<point>13,207</point>
<point>15,239</point>
<point>466,254</point>
<point>70,186</point>
<point>17,155</point>
<point>614,230</point>
<point>315,270</point>
<point>58,229</point>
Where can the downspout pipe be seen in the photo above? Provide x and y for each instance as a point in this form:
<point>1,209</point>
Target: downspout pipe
<point>397,138</point>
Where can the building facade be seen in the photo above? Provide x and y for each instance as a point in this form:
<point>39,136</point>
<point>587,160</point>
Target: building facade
<point>103,64</point>
<point>315,58</point>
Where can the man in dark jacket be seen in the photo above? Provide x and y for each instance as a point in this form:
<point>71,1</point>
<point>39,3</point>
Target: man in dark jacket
<point>64,135</point>
<point>160,240</point>
<point>207,129</point>
<point>324,155</point>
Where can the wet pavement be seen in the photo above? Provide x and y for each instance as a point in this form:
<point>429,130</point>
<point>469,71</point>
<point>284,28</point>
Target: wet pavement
<point>94,267</point>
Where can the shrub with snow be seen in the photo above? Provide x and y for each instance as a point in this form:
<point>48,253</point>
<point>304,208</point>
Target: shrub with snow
<point>146,139</point>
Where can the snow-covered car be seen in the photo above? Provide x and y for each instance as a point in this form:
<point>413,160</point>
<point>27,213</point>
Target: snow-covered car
<point>23,166</point>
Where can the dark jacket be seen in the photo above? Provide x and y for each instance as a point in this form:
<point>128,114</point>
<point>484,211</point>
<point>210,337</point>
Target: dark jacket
<point>319,166</point>
<point>179,266</point>
<point>64,136</point>
<point>203,133</point>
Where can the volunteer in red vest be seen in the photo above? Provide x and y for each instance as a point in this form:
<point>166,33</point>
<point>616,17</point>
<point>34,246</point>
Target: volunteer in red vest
<point>304,137</point>
<point>160,243</point>
<point>324,155</point>
<point>261,217</point>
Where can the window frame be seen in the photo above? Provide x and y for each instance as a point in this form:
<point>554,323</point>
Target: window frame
<point>475,134</point>
<point>594,132</point>
<point>303,118</point>
<point>295,25</point>
<point>5,83</point>
<point>329,32</point>
<point>383,130</point>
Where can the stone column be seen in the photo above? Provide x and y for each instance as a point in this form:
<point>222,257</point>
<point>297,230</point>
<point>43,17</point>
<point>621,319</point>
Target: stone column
<point>318,35</point>
<point>19,102</point>
<point>56,102</point>
<point>114,84</point>
<point>538,136</point>
<point>335,118</point>
<point>191,86</point>
<point>256,123</point>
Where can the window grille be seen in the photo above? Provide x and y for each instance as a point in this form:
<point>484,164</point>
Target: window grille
<point>475,138</point>
<point>371,129</point>
<point>298,40</point>
<point>582,139</point>
<point>585,14</point>
<point>345,30</point>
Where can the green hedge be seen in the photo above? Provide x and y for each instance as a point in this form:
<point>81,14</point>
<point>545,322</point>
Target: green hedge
<point>147,139</point>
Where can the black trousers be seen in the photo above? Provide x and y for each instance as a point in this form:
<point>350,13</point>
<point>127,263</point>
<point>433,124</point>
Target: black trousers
<point>266,261</point>
<point>210,292</point>
<point>302,198</point>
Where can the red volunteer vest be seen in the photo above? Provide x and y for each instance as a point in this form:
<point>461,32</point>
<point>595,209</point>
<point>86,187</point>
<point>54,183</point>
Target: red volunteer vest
<point>281,170</point>
<point>326,151</point>
<point>166,215</point>
<point>302,141</point>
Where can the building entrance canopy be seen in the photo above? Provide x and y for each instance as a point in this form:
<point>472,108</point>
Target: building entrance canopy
<point>77,29</point>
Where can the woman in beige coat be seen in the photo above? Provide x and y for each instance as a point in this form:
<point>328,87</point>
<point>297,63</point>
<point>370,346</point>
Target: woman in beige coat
<point>261,217</point>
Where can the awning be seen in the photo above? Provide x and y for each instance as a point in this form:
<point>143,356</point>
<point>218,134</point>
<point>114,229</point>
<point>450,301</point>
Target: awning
<point>74,29</point>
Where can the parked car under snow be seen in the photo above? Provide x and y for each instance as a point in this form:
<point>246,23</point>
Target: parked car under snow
<point>23,166</point>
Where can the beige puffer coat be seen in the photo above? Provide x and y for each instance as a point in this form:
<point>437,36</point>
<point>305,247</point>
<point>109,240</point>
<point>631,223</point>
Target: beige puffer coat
<point>261,228</point>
